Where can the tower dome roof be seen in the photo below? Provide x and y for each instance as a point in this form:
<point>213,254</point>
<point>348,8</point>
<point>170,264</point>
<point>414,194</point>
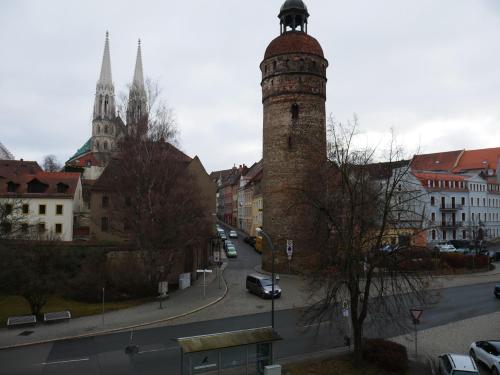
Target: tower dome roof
<point>293,4</point>
<point>293,42</point>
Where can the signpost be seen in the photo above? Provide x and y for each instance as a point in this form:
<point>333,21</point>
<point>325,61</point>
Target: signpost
<point>289,252</point>
<point>204,271</point>
<point>162,291</point>
<point>415,315</point>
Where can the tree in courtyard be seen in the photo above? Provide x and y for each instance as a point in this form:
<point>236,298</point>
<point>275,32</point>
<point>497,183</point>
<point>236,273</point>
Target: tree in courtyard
<point>365,204</point>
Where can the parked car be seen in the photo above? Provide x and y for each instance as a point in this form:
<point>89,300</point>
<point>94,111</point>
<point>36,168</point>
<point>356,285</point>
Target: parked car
<point>487,352</point>
<point>457,364</point>
<point>262,286</point>
<point>233,234</point>
<point>227,243</point>
<point>231,252</point>
<point>445,248</point>
<point>250,240</point>
<point>222,235</point>
<point>496,291</point>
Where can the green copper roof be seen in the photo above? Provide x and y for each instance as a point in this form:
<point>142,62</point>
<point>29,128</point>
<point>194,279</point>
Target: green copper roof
<point>82,150</point>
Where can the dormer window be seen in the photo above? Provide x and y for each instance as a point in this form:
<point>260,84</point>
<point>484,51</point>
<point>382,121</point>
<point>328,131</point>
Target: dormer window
<point>62,188</point>
<point>12,187</point>
<point>36,186</point>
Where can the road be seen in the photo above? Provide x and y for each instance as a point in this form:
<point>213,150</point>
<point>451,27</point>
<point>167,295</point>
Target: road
<point>159,353</point>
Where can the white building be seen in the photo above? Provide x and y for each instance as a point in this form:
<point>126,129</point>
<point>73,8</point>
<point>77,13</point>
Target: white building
<point>37,204</point>
<point>462,194</point>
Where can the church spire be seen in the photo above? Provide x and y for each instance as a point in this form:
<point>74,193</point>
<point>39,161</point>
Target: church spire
<point>104,105</point>
<point>138,80</point>
<point>105,77</point>
<point>137,110</point>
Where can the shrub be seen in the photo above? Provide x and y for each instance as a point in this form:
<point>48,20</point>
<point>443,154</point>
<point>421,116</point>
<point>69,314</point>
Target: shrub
<point>386,354</point>
<point>455,260</point>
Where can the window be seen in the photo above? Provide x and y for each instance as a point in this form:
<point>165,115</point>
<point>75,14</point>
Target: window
<point>105,145</point>
<point>472,201</point>
<point>36,186</point>
<point>274,65</point>
<point>41,209</point>
<point>295,111</point>
<point>454,234</point>
<point>463,216</point>
<point>26,208</point>
<point>484,202</point>
<point>24,227</point>
<point>8,209</point>
<point>41,227</point>
<point>464,235</point>
<point>104,224</point>
<point>433,201</point>
<point>12,187</point>
<point>105,201</point>
<point>59,209</point>
<point>58,228</point>
<point>433,217</point>
<point>62,188</point>
<point>443,202</point>
<point>444,235</point>
<point>433,233</point>
<point>463,201</point>
<point>472,216</point>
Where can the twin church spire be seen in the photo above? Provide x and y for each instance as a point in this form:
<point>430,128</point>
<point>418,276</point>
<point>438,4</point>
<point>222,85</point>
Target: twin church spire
<point>107,127</point>
<point>104,105</point>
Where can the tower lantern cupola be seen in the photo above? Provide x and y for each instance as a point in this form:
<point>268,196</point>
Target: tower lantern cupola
<point>293,15</point>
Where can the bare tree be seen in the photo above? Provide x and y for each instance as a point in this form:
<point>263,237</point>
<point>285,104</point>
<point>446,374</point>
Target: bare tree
<point>365,205</point>
<point>161,118</point>
<point>51,164</point>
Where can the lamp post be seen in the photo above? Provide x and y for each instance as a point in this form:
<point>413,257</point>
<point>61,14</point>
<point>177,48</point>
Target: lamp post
<point>261,231</point>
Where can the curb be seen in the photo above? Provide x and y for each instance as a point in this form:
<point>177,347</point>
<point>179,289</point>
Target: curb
<point>114,330</point>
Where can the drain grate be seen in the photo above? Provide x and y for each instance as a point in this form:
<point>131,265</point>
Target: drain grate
<point>26,333</point>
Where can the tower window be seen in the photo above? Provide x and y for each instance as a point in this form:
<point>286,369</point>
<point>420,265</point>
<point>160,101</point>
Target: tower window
<point>98,129</point>
<point>106,129</point>
<point>106,101</point>
<point>295,111</point>
<point>105,145</point>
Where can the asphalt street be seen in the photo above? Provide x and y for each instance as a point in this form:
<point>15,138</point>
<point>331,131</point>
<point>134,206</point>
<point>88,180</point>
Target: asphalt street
<point>160,354</point>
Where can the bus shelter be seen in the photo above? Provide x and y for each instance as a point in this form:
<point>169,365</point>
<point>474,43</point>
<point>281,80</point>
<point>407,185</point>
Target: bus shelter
<point>236,352</point>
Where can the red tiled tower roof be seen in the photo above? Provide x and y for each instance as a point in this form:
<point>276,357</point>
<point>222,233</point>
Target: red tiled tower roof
<point>293,42</point>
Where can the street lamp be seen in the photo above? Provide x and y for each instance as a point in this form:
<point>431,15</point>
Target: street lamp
<point>261,231</point>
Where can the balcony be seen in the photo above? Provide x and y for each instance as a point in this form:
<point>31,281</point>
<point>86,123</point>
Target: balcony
<point>450,207</point>
<point>451,225</point>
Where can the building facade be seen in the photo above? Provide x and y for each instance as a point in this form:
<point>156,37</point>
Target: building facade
<point>38,205</point>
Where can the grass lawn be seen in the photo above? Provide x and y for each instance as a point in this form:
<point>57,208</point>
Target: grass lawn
<point>343,365</point>
<point>16,305</point>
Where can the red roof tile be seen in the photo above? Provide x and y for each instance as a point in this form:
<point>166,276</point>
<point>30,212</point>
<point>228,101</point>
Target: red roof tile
<point>486,158</point>
<point>440,176</point>
<point>440,161</point>
<point>293,42</point>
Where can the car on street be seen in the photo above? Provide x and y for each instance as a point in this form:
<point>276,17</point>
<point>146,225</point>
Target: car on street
<point>262,286</point>
<point>233,234</point>
<point>222,235</point>
<point>250,240</point>
<point>487,352</point>
<point>227,243</point>
<point>231,252</point>
<point>457,364</point>
<point>496,291</point>
<point>445,248</point>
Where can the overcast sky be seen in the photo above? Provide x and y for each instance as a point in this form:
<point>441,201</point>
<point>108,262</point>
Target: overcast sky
<point>429,69</point>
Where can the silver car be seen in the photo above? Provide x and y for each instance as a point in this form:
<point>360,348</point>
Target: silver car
<point>457,364</point>
<point>487,352</point>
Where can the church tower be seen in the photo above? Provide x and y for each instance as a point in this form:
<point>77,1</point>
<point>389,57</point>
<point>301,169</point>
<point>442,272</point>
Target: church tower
<point>294,137</point>
<point>137,106</point>
<point>104,129</point>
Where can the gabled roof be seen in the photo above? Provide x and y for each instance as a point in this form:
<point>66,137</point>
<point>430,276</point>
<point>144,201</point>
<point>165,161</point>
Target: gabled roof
<point>440,161</point>
<point>482,159</point>
<point>5,153</point>
<point>107,180</point>
<point>22,173</point>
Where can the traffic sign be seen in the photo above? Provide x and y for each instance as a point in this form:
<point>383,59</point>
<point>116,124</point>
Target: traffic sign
<point>416,314</point>
<point>289,248</point>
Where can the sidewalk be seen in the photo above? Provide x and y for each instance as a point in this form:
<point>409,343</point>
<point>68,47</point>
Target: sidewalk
<point>180,303</point>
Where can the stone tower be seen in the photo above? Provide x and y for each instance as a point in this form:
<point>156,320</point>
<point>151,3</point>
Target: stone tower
<point>104,129</point>
<point>137,106</point>
<point>294,135</point>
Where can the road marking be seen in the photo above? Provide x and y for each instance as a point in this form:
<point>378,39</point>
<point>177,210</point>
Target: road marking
<point>66,361</point>
<point>316,324</point>
<point>157,350</point>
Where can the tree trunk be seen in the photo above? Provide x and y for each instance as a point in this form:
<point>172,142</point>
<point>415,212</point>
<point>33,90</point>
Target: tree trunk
<point>357,333</point>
